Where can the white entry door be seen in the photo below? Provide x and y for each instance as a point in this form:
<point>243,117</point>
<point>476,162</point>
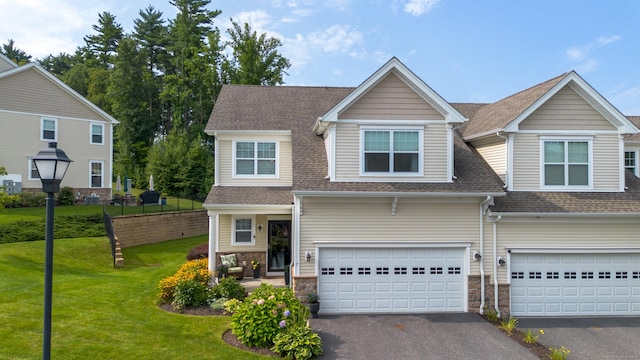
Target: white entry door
<point>575,284</point>
<point>375,280</point>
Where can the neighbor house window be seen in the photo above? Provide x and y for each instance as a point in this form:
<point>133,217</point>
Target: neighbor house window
<point>630,161</point>
<point>391,151</point>
<point>33,170</point>
<point>48,129</point>
<point>97,133</point>
<point>566,163</point>
<point>242,231</point>
<point>97,177</point>
<point>255,158</point>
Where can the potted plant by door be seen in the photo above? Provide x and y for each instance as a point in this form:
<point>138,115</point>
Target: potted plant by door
<point>313,302</point>
<point>255,264</point>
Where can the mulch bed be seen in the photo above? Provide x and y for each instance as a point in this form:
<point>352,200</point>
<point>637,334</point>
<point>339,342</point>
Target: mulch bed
<point>537,349</point>
<point>228,336</point>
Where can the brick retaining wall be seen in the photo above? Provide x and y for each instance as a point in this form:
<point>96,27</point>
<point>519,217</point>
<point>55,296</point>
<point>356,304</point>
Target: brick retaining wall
<point>133,230</point>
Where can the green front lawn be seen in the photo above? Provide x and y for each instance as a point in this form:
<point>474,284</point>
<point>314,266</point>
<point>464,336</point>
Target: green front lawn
<point>100,312</point>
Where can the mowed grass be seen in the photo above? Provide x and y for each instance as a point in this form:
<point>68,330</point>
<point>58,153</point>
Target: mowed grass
<point>100,312</point>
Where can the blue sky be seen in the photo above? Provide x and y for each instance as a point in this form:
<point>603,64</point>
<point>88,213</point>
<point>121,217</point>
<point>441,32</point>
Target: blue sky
<point>466,50</point>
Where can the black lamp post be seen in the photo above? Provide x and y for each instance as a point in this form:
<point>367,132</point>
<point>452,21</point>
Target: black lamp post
<point>52,164</point>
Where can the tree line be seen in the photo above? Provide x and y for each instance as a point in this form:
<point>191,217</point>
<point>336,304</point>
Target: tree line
<point>161,82</point>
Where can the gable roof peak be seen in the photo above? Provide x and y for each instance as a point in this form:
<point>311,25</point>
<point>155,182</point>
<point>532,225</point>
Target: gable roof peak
<point>394,65</point>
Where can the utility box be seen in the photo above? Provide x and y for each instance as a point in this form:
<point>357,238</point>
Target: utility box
<point>12,183</point>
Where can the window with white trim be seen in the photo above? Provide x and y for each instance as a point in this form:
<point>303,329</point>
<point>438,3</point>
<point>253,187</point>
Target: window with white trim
<point>256,158</point>
<point>33,170</point>
<point>566,163</point>
<point>48,129</point>
<point>630,161</point>
<point>242,231</point>
<point>97,133</point>
<point>96,169</point>
<point>386,152</point>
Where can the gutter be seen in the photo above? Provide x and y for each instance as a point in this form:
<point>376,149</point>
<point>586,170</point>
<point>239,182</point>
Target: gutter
<point>495,266</point>
<point>481,252</point>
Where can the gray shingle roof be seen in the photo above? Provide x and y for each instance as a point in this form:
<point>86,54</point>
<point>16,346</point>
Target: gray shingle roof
<point>495,116</point>
<point>572,202</point>
<point>296,109</point>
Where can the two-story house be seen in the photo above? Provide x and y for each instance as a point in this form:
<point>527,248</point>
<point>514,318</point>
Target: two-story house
<point>387,198</point>
<point>37,108</point>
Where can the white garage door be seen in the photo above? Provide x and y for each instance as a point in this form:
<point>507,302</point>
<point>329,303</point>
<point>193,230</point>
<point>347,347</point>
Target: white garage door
<point>575,284</point>
<point>391,280</point>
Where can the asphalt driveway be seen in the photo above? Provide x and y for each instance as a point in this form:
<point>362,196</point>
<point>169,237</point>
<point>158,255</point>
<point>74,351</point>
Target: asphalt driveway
<point>433,336</point>
<point>589,338</point>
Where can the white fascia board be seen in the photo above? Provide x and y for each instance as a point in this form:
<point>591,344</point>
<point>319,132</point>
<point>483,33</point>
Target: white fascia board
<point>62,85</point>
<point>248,132</point>
<point>571,250</point>
<point>392,244</point>
<point>574,80</point>
<point>452,115</point>
<point>248,209</point>
<point>393,194</point>
<point>540,215</point>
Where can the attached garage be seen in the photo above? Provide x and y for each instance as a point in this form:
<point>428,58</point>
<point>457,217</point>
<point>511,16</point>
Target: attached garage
<point>575,284</point>
<point>392,280</point>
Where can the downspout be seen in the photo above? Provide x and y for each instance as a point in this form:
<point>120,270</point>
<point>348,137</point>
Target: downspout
<point>481,252</point>
<point>507,172</point>
<point>296,234</point>
<point>495,266</point>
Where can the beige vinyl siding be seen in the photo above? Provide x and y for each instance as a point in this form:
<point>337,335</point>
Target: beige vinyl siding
<point>493,151</point>
<point>391,99</point>
<point>348,155</point>
<point>225,167</point>
<point>31,92</point>
<point>588,233</point>
<point>526,162</point>
<point>20,139</point>
<point>370,219</point>
<point>4,65</point>
<point>566,110</point>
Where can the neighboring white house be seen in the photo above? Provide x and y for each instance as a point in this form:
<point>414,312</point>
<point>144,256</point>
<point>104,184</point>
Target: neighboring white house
<point>36,108</point>
<point>386,198</point>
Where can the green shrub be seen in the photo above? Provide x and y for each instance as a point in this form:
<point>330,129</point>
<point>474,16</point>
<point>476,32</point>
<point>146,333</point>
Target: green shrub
<point>66,197</point>
<point>189,293</point>
<point>262,315</point>
<point>29,199</point>
<point>298,342</point>
<point>232,305</point>
<point>490,313</point>
<point>196,270</point>
<point>560,353</point>
<point>219,304</point>
<point>509,325</point>
<point>229,288</point>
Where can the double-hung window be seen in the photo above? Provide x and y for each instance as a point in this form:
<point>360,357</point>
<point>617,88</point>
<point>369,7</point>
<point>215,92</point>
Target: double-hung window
<point>97,133</point>
<point>242,231</point>
<point>48,129</point>
<point>96,173</point>
<point>33,170</point>
<point>566,163</point>
<point>387,152</point>
<point>630,161</point>
<point>256,158</point>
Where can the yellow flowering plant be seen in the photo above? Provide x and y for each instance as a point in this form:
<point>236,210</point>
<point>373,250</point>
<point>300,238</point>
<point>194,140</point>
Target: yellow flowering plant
<point>255,264</point>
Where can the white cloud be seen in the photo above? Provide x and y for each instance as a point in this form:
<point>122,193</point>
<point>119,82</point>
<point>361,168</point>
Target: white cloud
<point>336,39</point>
<point>419,7</point>
<point>583,56</point>
<point>41,28</point>
<point>604,40</point>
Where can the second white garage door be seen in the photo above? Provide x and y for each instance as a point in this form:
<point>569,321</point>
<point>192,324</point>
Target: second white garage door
<point>575,284</point>
<point>391,280</point>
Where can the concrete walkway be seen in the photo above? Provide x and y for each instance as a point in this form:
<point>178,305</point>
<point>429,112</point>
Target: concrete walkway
<point>251,284</point>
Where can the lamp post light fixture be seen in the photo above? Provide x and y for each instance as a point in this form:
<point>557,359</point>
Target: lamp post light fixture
<point>52,163</point>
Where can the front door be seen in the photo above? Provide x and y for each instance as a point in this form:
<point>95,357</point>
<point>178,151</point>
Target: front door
<point>279,245</point>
